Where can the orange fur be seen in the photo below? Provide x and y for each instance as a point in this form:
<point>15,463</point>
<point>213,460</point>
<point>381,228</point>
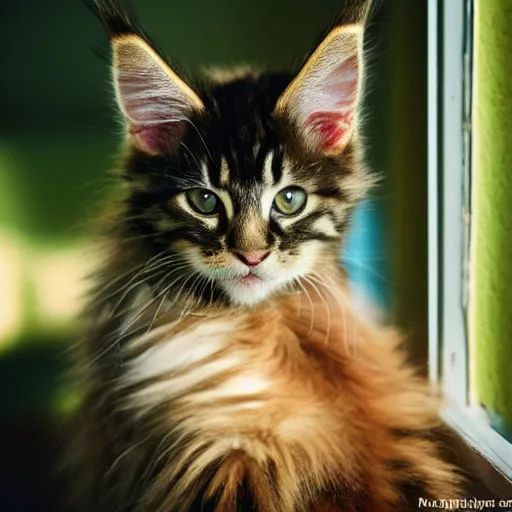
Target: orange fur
<point>342,422</point>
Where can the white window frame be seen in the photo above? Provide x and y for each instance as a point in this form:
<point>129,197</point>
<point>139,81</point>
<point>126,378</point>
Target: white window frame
<point>448,191</point>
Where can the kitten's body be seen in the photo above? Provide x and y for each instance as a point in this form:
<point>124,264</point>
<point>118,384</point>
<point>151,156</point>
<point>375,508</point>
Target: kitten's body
<point>219,376</point>
<point>251,408</point>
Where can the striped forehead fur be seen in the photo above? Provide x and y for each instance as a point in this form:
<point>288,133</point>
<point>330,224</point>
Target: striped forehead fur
<point>223,158</point>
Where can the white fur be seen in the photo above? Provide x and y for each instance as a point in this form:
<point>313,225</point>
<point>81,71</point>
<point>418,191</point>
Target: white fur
<point>224,172</point>
<point>239,386</point>
<point>274,276</point>
<point>268,178</point>
<point>325,226</point>
<point>175,355</point>
<point>252,294</point>
<point>226,201</point>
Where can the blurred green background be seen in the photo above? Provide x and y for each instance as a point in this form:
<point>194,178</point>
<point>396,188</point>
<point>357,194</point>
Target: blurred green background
<point>57,135</point>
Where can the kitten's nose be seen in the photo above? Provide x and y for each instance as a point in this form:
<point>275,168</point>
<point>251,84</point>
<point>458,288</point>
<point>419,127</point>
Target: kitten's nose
<point>251,258</point>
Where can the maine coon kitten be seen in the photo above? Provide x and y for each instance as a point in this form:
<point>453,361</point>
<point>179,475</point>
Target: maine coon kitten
<point>222,363</point>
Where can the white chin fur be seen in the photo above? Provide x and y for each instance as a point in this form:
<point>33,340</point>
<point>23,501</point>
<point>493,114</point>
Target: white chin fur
<point>250,294</point>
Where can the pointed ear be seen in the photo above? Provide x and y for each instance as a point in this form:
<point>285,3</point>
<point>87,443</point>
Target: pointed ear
<point>323,99</point>
<point>154,100</point>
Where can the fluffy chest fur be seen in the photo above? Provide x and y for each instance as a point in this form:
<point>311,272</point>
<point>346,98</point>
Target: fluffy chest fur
<point>246,395</point>
<point>294,406</point>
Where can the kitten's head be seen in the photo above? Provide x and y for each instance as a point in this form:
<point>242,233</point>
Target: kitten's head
<point>247,182</point>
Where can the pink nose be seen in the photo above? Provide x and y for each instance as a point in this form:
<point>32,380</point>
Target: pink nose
<point>251,258</point>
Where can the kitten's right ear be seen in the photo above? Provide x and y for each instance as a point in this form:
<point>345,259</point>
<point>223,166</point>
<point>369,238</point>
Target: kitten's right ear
<point>155,102</point>
<point>323,100</point>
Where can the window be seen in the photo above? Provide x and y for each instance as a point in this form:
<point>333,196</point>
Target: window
<point>458,283</point>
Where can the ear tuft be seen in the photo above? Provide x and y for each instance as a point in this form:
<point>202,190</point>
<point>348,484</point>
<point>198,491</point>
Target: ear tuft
<point>323,99</point>
<point>154,100</point>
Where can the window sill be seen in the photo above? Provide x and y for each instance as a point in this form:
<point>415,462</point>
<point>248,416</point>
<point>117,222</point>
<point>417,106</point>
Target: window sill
<point>482,450</point>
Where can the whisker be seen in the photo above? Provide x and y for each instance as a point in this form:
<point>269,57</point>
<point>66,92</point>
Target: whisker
<point>124,219</point>
<point>140,268</point>
<point>327,308</point>
<point>146,306</point>
<point>179,294</point>
<point>158,455</point>
<point>311,305</point>
<point>201,137</point>
<point>121,312</point>
<point>366,267</point>
<point>124,333</point>
<point>203,283</point>
<point>105,287</point>
<point>120,240</point>
<point>158,311</point>
<point>192,155</point>
<point>153,268</point>
<point>349,341</point>
<point>211,282</point>
<point>124,454</point>
<point>330,289</point>
<point>194,289</point>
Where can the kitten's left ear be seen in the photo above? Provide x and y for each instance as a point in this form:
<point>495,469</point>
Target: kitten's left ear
<point>323,99</point>
<point>154,100</point>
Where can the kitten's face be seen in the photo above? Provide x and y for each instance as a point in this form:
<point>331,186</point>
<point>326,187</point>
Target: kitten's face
<point>247,210</point>
<point>260,236</point>
<point>248,183</point>
<point>269,229</point>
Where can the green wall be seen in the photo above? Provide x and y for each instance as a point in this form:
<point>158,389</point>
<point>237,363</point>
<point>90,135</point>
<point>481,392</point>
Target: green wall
<point>491,290</point>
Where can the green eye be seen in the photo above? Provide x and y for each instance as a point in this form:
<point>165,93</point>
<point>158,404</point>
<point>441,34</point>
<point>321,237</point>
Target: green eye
<point>290,200</point>
<point>203,201</point>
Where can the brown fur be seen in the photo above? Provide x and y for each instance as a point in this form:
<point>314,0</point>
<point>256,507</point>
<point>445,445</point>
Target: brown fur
<point>345,425</point>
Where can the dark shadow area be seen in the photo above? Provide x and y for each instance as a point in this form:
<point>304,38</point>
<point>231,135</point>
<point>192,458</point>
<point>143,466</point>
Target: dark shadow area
<point>30,381</point>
